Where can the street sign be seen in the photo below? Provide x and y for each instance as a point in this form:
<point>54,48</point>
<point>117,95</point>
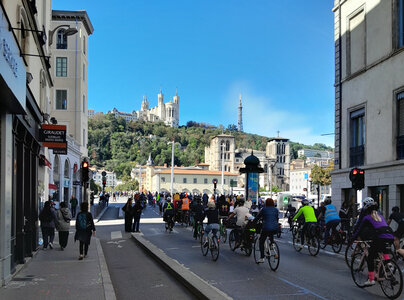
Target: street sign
<point>53,136</point>
<point>285,200</point>
<point>76,182</point>
<point>62,151</point>
<point>306,176</point>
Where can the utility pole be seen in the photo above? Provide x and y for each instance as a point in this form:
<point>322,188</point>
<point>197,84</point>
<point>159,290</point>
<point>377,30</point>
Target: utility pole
<point>172,168</point>
<point>222,148</point>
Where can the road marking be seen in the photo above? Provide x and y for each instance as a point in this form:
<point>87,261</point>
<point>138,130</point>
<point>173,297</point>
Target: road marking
<point>321,250</point>
<point>196,246</point>
<point>116,235</point>
<point>172,248</point>
<point>306,291</point>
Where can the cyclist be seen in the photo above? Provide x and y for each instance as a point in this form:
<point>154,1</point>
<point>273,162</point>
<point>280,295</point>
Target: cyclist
<point>168,210</point>
<point>331,218</point>
<point>399,219</point>
<point>198,213</point>
<point>213,221</point>
<point>242,213</point>
<point>270,216</point>
<point>184,207</point>
<point>309,218</point>
<point>373,227</point>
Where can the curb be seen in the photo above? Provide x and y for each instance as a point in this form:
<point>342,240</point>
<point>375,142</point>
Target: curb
<point>109,291</point>
<point>101,214</point>
<point>199,287</point>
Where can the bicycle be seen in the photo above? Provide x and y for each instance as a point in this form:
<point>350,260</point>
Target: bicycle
<point>271,252</point>
<point>335,240</point>
<point>387,272</point>
<point>223,230</point>
<point>212,245</point>
<point>352,249</point>
<point>199,230</point>
<point>246,240</point>
<point>312,242</point>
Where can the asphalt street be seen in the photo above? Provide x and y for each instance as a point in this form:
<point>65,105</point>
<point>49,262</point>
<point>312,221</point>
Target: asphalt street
<point>299,276</point>
<point>133,273</point>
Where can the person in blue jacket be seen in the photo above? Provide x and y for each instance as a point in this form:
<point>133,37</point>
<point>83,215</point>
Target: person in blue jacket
<point>270,217</point>
<point>332,218</point>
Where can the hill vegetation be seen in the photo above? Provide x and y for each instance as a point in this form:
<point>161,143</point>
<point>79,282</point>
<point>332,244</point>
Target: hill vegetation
<point>119,146</point>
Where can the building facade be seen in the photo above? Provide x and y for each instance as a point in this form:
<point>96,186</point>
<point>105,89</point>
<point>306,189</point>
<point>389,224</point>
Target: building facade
<point>69,98</point>
<point>221,146</point>
<point>169,112</point>
<point>315,153</point>
<point>25,83</point>
<point>369,93</point>
<point>111,180</point>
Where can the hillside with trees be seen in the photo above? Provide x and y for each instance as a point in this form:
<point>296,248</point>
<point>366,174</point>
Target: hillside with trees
<point>117,145</point>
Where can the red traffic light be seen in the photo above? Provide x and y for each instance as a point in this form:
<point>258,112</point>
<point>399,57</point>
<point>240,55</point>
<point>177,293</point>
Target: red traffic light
<point>354,171</point>
<point>85,164</point>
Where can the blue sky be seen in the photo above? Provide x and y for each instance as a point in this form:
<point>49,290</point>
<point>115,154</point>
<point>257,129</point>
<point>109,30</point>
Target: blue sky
<point>278,54</point>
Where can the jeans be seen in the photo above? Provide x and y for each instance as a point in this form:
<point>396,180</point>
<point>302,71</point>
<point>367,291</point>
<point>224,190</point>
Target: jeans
<point>48,234</point>
<point>82,244</point>
<point>331,224</point>
<point>214,227</point>
<point>74,211</point>
<point>136,221</point>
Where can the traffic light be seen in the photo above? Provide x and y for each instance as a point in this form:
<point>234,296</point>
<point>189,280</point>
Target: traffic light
<point>84,171</point>
<point>214,181</point>
<point>357,177</point>
<point>104,181</point>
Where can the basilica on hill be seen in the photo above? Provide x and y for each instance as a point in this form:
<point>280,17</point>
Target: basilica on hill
<point>168,112</point>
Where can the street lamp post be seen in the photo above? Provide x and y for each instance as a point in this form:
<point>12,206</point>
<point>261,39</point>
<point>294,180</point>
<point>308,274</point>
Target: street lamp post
<point>172,168</point>
<point>68,31</point>
<point>222,149</point>
<point>271,164</point>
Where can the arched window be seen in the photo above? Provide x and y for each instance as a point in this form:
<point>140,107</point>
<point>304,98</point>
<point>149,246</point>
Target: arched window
<point>67,169</point>
<point>23,35</point>
<point>61,42</point>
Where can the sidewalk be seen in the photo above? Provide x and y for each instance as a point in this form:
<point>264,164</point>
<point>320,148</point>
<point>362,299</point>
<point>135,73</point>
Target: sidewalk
<point>56,274</point>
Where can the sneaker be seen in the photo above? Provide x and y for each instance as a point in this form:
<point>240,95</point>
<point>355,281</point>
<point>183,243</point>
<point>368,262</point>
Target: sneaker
<point>50,245</point>
<point>261,260</point>
<point>369,283</point>
<point>81,257</point>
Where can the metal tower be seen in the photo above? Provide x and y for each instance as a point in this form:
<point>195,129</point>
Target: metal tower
<point>240,116</point>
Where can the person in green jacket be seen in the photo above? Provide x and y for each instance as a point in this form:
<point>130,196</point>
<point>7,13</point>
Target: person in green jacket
<point>309,218</point>
<point>73,205</point>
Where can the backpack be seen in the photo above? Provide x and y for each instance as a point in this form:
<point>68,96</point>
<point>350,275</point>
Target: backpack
<point>82,221</point>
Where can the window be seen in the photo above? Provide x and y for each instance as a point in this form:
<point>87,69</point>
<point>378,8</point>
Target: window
<point>205,181</point>
<point>61,99</point>
<point>184,180</point>
<point>357,130</point>
<point>84,72</point>
<point>224,181</point>
<point>400,125</point>
<point>61,42</point>
<point>195,180</point>
<point>356,42</point>
<point>84,138</point>
<point>163,179</point>
<point>61,66</point>
<point>84,103</point>
<point>84,44</point>
<point>227,146</point>
<point>400,23</point>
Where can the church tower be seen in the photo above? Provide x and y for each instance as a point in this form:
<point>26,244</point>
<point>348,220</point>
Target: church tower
<point>145,104</point>
<point>240,117</point>
<point>161,109</point>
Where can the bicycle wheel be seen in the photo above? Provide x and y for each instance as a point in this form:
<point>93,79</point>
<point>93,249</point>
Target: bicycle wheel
<point>200,232</point>
<point>186,220</point>
<point>204,247</point>
<point>336,243</point>
<point>214,248</point>
<point>392,285</point>
<point>248,250</point>
<point>296,243</point>
<point>232,240</point>
<point>349,250</point>
<point>359,269</point>
<point>223,233</point>
<point>294,230</point>
<point>314,246</point>
<point>274,256</point>
<point>257,252</point>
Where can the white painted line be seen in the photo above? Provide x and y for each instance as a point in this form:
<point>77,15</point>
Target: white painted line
<point>116,235</point>
<point>306,291</point>
<point>172,248</point>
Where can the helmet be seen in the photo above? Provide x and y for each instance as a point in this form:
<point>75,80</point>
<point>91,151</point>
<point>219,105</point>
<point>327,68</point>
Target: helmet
<point>305,202</point>
<point>327,201</point>
<point>168,199</point>
<point>211,204</point>
<point>368,202</point>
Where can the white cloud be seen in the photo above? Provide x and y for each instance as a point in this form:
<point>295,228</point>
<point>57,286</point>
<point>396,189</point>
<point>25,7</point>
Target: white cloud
<point>261,117</point>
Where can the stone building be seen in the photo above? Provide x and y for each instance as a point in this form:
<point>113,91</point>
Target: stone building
<point>168,112</point>
<point>369,100</point>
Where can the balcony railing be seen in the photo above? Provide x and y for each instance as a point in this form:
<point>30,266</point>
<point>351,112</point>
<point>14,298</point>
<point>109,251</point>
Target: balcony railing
<point>400,147</point>
<point>357,156</point>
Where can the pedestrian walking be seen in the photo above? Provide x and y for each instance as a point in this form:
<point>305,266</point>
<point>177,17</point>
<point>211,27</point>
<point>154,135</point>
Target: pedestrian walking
<point>84,229</point>
<point>73,205</point>
<point>63,217</point>
<point>137,212</point>
<point>128,210</point>
<point>48,219</point>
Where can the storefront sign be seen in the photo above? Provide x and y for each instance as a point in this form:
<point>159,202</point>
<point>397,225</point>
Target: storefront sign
<point>60,151</point>
<point>12,68</point>
<point>52,134</point>
<point>76,182</point>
